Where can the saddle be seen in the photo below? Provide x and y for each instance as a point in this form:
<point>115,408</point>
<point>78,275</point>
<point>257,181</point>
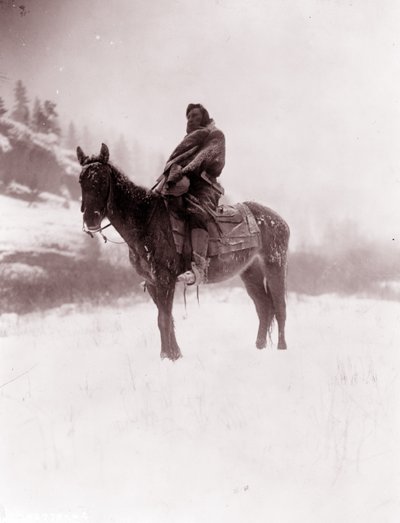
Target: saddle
<point>233,228</point>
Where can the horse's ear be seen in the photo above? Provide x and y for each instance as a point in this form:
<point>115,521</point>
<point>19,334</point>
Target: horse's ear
<point>104,153</point>
<point>81,155</point>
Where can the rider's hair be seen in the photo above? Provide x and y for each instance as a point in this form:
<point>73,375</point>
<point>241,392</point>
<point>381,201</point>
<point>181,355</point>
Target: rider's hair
<point>206,117</point>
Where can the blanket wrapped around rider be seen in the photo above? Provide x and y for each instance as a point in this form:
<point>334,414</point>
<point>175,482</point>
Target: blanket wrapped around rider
<point>202,150</point>
<point>189,181</point>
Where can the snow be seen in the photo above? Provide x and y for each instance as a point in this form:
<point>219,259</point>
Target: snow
<point>4,143</point>
<point>40,226</point>
<point>48,141</point>
<point>21,271</point>
<point>390,285</point>
<point>95,427</point>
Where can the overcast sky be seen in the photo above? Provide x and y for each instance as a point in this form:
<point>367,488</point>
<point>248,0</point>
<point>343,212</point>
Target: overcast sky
<point>307,92</point>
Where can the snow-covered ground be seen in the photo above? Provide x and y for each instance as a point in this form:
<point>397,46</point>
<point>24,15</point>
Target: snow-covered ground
<point>48,226</point>
<point>95,427</point>
<point>40,226</point>
<point>33,233</point>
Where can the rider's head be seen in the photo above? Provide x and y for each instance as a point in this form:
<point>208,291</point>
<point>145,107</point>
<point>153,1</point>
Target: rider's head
<point>197,116</point>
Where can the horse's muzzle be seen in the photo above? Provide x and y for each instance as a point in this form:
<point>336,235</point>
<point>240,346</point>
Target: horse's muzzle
<point>92,221</point>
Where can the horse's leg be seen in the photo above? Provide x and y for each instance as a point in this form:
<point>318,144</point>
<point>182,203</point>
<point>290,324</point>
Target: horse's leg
<point>276,283</point>
<point>176,351</point>
<point>253,278</point>
<point>163,297</point>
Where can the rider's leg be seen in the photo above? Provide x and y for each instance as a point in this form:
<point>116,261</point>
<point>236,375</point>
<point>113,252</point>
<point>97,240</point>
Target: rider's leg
<point>198,273</point>
<point>198,220</point>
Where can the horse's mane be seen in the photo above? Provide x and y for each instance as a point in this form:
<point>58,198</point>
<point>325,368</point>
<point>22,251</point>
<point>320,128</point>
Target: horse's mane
<point>124,182</point>
<point>130,189</point>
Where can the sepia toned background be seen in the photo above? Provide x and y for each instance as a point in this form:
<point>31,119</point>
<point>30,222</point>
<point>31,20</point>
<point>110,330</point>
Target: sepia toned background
<point>307,94</point>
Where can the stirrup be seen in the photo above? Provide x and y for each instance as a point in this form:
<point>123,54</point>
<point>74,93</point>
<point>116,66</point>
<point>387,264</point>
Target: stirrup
<point>188,278</point>
<point>196,276</point>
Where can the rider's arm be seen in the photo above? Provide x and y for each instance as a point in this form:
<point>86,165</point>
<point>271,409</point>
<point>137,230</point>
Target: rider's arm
<point>210,158</point>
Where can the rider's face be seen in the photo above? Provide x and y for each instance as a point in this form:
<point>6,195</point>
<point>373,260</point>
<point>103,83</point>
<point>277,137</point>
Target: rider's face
<point>194,119</point>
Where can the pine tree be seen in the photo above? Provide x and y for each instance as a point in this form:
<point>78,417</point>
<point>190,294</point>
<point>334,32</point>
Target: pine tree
<point>122,155</point>
<point>72,137</point>
<point>35,115</point>
<point>21,109</point>
<point>159,164</point>
<point>38,121</point>
<point>51,116</point>
<point>87,141</point>
<point>3,109</point>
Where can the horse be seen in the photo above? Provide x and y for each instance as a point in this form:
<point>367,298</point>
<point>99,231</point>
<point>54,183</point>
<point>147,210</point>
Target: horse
<point>141,217</point>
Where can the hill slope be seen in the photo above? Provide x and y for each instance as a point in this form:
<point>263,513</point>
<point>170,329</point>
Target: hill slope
<point>47,260</point>
<point>36,160</point>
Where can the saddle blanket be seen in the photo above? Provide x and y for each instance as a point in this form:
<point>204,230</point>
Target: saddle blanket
<point>233,229</point>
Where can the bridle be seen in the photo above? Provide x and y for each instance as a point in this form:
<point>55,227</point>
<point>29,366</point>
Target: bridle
<point>102,213</point>
<point>107,206</point>
<point>91,232</point>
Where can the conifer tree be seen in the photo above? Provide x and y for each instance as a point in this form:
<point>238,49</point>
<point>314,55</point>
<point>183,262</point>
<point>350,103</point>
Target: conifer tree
<point>38,121</point>
<point>51,116</point>
<point>21,109</point>
<point>87,141</point>
<point>122,155</point>
<point>159,163</point>
<point>3,109</point>
<point>72,137</point>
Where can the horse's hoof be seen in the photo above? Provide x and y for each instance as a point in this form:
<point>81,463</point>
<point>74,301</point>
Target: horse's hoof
<point>260,344</point>
<point>173,357</point>
<point>176,356</point>
<point>282,346</point>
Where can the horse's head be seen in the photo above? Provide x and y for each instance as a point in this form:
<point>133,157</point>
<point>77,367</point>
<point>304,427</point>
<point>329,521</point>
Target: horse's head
<point>95,181</point>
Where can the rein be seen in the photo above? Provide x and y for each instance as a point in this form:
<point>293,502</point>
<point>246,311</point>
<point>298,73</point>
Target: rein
<point>152,211</point>
<point>91,233</point>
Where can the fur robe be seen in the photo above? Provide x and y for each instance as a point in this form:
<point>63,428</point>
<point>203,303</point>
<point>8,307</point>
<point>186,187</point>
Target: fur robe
<point>201,150</point>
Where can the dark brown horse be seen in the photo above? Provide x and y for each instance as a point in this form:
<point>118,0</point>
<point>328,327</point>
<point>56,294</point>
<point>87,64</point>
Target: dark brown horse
<point>142,219</point>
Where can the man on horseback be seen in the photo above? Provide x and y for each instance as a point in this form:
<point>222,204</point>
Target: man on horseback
<point>198,159</point>
<point>248,238</point>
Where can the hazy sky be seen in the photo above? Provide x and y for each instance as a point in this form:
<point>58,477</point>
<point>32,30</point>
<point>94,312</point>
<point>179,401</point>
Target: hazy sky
<point>307,92</point>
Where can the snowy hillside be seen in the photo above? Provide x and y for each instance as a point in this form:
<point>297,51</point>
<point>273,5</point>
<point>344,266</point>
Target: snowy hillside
<point>13,133</point>
<point>47,260</point>
<point>96,428</point>
<point>40,226</point>
<point>37,160</point>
